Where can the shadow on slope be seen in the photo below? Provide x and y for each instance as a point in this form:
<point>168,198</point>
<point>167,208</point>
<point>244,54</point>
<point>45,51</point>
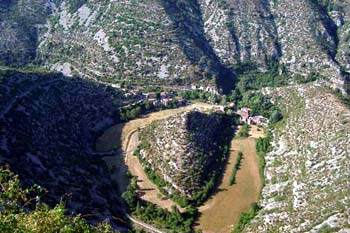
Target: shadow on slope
<point>19,26</point>
<point>210,135</point>
<point>48,123</point>
<point>187,20</point>
<point>250,12</point>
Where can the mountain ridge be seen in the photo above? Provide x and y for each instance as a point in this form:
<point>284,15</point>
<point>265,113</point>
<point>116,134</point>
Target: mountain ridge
<point>115,42</point>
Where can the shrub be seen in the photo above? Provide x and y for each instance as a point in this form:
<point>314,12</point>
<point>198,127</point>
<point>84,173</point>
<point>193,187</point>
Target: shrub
<point>236,167</point>
<point>22,211</point>
<point>275,116</point>
<point>244,132</point>
<point>245,218</point>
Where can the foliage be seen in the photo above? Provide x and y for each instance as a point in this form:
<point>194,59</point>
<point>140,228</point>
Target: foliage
<point>22,211</point>
<point>150,213</point>
<point>201,95</point>
<point>276,116</point>
<point>263,145</point>
<point>173,221</point>
<point>130,195</point>
<point>244,131</point>
<point>7,70</point>
<point>236,167</point>
<point>258,103</point>
<point>343,98</point>
<point>245,218</point>
<point>134,111</point>
<point>327,229</point>
<point>209,179</point>
<point>255,80</point>
<point>159,181</point>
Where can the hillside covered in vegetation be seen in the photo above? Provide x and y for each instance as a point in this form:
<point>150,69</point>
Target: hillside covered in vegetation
<point>23,211</point>
<point>185,152</point>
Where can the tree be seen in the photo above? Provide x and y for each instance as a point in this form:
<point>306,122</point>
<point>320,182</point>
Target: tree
<point>244,132</point>
<point>138,208</point>
<point>148,106</point>
<point>130,196</point>
<point>275,116</point>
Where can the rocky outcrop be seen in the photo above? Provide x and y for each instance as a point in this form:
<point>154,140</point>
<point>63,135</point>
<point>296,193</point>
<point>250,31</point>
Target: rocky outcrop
<point>242,31</point>
<point>307,173</point>
<point>183,148</point>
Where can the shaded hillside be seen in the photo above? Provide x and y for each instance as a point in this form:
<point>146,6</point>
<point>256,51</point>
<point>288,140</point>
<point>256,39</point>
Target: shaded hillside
<point>186,17</point>
<point>48,124</point>
<point>20,212</point>
<point>19,25</point>
<point>186,150</point>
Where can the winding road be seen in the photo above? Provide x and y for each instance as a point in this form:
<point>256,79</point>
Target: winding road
<point>144,225</point>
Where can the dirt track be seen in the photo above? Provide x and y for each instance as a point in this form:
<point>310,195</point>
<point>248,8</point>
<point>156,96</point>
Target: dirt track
<point>147,190</point>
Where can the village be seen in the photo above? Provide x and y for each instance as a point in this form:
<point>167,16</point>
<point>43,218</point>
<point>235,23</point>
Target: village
<point>162,99</point>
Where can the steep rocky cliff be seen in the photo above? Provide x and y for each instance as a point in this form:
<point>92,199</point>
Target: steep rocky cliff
<point>304,36</point>
<point>185,149</point>
<point>179,41</point>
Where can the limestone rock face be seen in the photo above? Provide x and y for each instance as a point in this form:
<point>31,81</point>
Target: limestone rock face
<point>177,41</point>
<point>182,148</point>
<point>307,173</point>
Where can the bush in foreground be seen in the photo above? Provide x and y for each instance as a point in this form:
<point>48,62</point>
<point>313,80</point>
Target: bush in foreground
<point>22,211</point>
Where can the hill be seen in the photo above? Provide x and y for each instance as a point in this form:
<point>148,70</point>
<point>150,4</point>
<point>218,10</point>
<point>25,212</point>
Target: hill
<point>181,150</point>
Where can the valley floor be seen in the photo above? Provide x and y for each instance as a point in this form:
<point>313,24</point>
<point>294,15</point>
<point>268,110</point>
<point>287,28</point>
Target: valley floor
<point>146,189</point>
<point>223,209</point>
<point>124,136</point>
